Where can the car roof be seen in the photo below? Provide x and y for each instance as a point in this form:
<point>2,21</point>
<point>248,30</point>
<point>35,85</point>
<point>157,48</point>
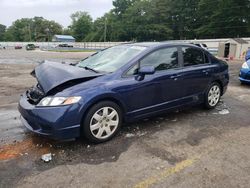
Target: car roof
<point>159,44</point>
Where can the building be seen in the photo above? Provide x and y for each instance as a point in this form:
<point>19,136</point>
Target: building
<point>63,38</point>
<point>233,48</point>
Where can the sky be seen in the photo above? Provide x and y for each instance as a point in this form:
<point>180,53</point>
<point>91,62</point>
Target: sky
<point>58,10</point>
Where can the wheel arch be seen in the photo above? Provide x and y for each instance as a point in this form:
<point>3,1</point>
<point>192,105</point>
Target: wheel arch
<point>96,100</point>
<point>220,84</point>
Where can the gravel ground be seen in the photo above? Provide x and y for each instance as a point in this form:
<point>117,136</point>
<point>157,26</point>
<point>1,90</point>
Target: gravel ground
<point>187,148</point>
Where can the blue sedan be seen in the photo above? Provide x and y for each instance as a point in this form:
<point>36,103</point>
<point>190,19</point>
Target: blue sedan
<point>120,84</point>
<point>244,76</point>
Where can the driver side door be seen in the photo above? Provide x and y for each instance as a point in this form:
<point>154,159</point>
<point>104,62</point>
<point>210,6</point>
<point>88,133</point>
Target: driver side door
<point>155,92</point>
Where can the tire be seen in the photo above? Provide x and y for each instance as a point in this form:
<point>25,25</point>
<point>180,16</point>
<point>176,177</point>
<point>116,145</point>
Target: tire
<point>213,95</point>
<point>102,122</point>
<point>242,83</point>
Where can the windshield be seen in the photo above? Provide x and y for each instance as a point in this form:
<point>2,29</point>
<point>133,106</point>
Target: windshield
<point>111,59</point>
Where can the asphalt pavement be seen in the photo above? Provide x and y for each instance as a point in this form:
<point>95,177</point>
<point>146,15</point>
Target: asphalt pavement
<point>190,147</point>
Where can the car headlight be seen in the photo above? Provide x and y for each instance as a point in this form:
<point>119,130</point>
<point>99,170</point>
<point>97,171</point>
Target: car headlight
<point>58,101</point>
<point>245,66</point>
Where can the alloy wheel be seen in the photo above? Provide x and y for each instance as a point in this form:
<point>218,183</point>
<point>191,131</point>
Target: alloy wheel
<point>214,95</point>
<point>104,122</point>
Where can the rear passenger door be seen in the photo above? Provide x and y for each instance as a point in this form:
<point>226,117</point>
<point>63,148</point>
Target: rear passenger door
<point>197,71</point>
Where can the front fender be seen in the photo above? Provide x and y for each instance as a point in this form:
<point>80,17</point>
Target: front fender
<point>112,96</point>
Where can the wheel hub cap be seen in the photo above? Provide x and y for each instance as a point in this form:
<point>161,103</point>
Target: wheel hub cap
<point>104,122</point>
<point>214,95</point>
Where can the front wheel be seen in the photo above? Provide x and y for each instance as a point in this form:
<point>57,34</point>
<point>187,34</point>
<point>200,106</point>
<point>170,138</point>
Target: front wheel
<point>212,96</point>
<point>102,122</point>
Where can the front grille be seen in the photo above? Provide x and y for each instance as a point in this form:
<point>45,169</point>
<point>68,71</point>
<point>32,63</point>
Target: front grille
<point>35,94</point>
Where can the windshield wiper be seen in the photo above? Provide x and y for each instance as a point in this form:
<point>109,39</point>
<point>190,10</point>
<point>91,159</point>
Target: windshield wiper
<point>88,68</point>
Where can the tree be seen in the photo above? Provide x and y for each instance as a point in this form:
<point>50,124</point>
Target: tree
<point>81,25</point>
<point>43,30</point>
<point>2,32</point>
<point>144,20</point>
<point>228,18</point>
<point>141,25</point>
<point>32,29</point>
<point>120,6</point>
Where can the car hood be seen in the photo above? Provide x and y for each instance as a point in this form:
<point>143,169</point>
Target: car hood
<point>248,62</point>
<point>52,74</point>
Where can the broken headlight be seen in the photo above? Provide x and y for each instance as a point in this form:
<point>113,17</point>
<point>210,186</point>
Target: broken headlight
<point>58,101</point>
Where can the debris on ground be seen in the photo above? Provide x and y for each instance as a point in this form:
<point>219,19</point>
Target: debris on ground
<point>47,157</point>
<point>142,134</point>
<point>174,120</point>
<point>224,112</point>
<point>129,135</point>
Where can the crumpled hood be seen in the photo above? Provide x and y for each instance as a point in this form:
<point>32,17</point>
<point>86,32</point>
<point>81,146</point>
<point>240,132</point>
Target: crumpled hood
<point>52,74</point>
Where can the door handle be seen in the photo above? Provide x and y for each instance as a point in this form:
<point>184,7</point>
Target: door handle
<point>206,71</point>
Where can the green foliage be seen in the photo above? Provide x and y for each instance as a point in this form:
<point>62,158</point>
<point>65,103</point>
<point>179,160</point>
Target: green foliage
<point>32,29</point>
<point>81,25</point>
<point>160,20</point>
<point>227,18</point>
<point>2,32</point>
<point>144,20</point>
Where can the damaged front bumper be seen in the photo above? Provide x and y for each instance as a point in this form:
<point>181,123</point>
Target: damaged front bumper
<point>55,122</point>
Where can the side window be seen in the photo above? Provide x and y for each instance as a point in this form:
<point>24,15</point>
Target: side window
<point>193,56</point>
<point>162,59</point>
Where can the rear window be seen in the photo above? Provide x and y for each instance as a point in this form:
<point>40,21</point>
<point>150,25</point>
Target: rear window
<point>193,56</point>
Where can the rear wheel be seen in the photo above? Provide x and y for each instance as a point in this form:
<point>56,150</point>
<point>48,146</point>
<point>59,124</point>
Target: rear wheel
<point>102,122</point>
<point>213,95</point>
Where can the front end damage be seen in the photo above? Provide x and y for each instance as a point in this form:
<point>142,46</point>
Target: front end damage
<point>35,94</point>
<point>57,121</point>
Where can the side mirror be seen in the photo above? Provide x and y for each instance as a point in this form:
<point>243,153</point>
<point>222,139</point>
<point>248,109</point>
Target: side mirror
<point>146,70</point>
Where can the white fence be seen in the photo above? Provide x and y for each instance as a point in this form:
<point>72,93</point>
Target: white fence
<point>85,45</point>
